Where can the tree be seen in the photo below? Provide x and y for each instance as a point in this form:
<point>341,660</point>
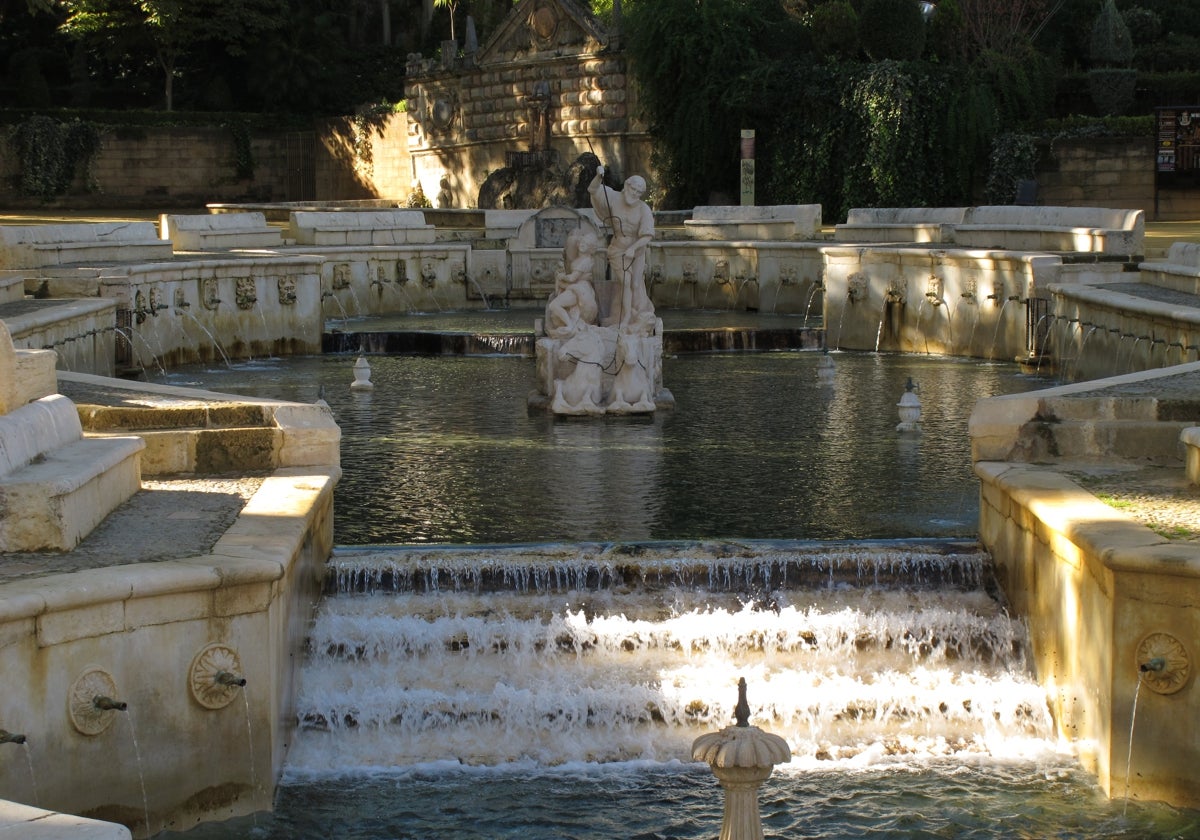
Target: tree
<point>704,71</point>
<point>169,30</point>
<point>452,5</point>
<point>1003,26</point>
<point>892,29</point>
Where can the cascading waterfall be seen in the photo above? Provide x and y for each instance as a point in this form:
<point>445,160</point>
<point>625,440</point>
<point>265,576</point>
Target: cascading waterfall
<point>606,654</point>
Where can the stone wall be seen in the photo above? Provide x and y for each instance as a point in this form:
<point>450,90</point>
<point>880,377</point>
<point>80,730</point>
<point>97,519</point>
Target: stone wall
<point>189,167</point>
<point>1109,172</point>
<point>550,85</point>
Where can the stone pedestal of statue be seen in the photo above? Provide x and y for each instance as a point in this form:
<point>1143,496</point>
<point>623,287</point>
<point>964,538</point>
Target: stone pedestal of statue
<point>600,370</point>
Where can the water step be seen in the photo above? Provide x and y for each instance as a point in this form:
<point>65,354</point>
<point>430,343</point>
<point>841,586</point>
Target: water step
<point>595,660</point>
<point>454,343</point>
<point>736,566</point>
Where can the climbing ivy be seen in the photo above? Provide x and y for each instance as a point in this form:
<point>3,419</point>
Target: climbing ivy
<point>1014,158</point>
<point>243,151</point>
<point>50,153</point>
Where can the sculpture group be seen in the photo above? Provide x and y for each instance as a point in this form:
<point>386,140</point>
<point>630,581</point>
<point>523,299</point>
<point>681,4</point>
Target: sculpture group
<point>601,353</point>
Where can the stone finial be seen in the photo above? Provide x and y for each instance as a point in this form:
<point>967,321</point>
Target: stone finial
<point>741,712</point>
<point>741,757</point>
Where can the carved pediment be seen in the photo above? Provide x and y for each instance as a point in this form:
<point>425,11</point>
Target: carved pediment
<point>544,28</point>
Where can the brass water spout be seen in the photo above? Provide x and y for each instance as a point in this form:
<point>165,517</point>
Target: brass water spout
<point>7,737</point>
<point>107,704</point>
<point>1156,664</point>
<point>227,679</point>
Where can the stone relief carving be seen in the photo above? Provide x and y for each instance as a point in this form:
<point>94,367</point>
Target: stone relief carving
<point>341,276</point>
<point>244,293</point>
<point>285,287</point>
<point>208,293</point>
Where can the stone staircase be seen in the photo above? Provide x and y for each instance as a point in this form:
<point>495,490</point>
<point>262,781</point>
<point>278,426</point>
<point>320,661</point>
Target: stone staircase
<point>190,432</point>
<point>55,484</point>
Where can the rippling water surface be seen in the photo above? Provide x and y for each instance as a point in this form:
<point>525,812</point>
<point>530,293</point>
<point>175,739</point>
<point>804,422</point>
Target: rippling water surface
<point>443,450</point>
<point>991,801</point>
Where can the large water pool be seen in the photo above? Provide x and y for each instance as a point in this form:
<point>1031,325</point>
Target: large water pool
<point>444,451</point>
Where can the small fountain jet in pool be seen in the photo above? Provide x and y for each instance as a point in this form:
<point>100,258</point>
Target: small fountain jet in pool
<point>362,375</point>
<point>910,409</point>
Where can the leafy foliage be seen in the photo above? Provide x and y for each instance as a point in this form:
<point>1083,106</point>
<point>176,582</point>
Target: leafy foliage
<point>50,153</point>
<point>834,27</point>
<point>889,133</point>
<point>703,69</point>
<point>1014,159</point>
<point>1112,45</point>
<point>892,29</point>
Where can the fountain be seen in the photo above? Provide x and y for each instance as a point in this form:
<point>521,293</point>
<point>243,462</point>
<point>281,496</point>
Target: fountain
<point>742,757</point>
<point>602,354</point>
<point>778,468</point>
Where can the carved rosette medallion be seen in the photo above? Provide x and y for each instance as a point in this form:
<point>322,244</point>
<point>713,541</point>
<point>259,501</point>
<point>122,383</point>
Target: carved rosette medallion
<point>543,22</point>
<point>204,676</point>
<point>81,702</point>
<point>1176,665</point>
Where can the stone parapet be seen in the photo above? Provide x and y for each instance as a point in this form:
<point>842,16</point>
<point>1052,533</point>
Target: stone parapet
<point>1107,601</point>
<point>202,232</point>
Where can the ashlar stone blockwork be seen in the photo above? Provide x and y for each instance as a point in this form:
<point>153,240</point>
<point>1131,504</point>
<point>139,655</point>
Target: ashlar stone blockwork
<point>549,84</point>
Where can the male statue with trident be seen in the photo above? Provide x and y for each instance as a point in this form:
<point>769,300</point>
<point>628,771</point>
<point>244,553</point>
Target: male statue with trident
<point>632,224</point>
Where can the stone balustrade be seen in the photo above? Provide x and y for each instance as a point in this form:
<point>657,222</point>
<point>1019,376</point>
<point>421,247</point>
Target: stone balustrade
<point>1180,271</point>
<point>784,222</point>
<point>55,484</point>
<point>1016,228</point>
<point>897,224</point>
<point>1002,227</point>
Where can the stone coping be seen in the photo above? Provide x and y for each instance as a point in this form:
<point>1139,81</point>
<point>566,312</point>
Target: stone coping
<point>1121,298</point>
<point>1117,538</point>
<point>24,822</point>
<point>31,314</point>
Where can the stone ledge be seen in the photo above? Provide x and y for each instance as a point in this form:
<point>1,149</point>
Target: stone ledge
<point>23,822</point>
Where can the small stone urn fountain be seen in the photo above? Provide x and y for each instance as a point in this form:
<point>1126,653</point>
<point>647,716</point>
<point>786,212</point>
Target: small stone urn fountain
<point>741,757</point>
<point>362,375</point>
<point>910,409</point>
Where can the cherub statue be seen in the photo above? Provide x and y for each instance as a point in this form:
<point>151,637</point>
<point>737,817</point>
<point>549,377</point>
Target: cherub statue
<point>574,301</point>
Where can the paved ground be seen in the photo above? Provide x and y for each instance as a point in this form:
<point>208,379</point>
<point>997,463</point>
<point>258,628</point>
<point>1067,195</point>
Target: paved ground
<point>1159,498</point>
<point>167,520</point>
